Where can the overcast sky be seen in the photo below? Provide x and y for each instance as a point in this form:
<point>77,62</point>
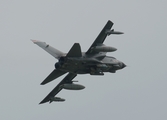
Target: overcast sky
<point>138,92</point>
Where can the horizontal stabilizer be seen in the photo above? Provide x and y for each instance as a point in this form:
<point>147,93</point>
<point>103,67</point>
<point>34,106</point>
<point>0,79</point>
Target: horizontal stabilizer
<point>75,51</point>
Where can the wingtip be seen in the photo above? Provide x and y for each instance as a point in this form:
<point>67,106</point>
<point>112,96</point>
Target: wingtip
<point>43,101</point>
<point>40,103</point>
<point>110,21</point>
<point>35,41</point>
<point>42,83</point>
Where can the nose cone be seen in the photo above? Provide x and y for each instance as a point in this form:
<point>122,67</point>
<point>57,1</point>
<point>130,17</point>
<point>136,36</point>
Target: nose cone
<point>123,65</point>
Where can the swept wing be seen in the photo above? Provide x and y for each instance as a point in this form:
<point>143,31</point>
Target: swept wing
<point>100,38</point>
<point>58,88</point>
<point>54,52</point>
<point>53,75</point>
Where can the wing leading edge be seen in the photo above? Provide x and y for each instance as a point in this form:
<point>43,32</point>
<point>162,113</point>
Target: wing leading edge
<point>53,75</point>
<point>100,38</point>
<point>68,79</point>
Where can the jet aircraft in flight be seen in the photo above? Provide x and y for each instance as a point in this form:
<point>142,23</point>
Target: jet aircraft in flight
<point>94,62</point>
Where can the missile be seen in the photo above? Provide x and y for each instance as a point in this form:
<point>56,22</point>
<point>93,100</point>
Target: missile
<point>104,49</point>
<point>109,32</point>
<point>57,99</point>
<point>73,86</point>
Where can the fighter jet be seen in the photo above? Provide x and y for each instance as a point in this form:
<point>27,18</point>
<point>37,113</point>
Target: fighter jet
<point>94,62</point>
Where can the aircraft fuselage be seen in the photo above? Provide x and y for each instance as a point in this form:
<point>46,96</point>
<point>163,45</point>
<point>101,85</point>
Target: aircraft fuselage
<point>89,65</point>
<point>94,62</point>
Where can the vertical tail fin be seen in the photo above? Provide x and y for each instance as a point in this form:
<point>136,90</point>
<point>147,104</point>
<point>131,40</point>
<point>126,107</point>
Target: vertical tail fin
<point>75,51</point>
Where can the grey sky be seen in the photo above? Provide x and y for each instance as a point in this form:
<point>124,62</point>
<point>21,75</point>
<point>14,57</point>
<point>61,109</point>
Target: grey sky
<point>134,93</point>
